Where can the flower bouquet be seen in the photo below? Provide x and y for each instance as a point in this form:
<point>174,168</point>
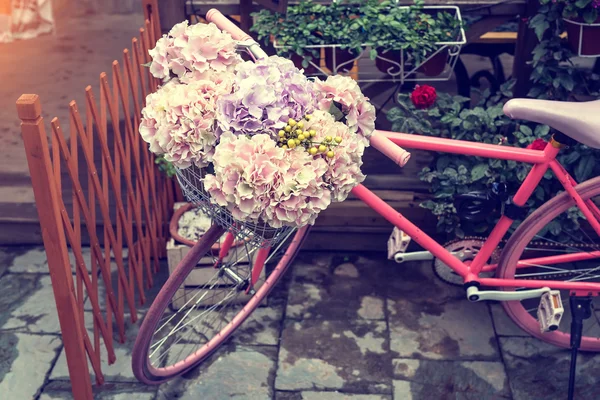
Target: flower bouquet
<point>261,148</point>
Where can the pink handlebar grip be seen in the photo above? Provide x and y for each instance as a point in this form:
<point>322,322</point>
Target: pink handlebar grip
<point>221,21</point>
<point>389,148</point>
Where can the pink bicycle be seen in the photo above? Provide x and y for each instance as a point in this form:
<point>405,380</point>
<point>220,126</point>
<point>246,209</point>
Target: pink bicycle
<point>533,274</point>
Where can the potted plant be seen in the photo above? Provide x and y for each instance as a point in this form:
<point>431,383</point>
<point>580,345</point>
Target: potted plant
<point>430,29</point>
<point>335,25</point>
<point>582,24</point>
<point>293,33</point>
<point>414,30</point>
<point>383,24</point>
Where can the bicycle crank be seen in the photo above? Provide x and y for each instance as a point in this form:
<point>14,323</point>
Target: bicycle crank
<point>474,294</point>
<point>465,250</point>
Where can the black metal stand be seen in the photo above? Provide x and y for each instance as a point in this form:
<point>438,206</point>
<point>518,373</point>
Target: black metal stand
<point>580,310</point>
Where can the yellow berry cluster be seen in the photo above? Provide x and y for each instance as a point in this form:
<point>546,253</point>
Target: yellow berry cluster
<point>293,135</point>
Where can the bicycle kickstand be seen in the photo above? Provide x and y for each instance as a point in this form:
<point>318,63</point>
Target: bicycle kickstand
<point>580,311</point>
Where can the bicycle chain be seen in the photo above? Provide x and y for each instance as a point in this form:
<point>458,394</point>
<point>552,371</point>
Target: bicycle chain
<point>541,244</point>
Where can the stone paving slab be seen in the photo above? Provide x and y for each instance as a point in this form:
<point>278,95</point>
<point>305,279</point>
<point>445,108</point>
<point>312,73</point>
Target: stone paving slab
<point>239,372</point>
<point>341,290</point>
<point>109,391</point>
<point>7,255</point>
<point>27,304</point>
<point>503,324</point>
<point>334,355</point>
<point>261,328</point>
<point>25,361</point>
<point>538,370</point>
<point>309,395</point>
<point>32,261</point>
<point>430,319</point>
<point>118,372</point>
<point>459,331</point>
<point>475,379</point>
<point>121,395</point>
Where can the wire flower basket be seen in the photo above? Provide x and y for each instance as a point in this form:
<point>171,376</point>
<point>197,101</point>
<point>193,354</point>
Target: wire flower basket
<point>256,233</point>
<point>396,66</point>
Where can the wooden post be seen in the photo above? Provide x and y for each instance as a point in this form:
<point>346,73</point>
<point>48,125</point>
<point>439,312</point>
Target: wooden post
<point>53,235</point>
<point>245,18</point>
<point>526,41</point>
<point>151,13</point>
<point>171,12</point>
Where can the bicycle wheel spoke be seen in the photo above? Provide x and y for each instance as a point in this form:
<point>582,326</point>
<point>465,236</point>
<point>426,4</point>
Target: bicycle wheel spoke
<point>200,313</point>
<point>190,333</point>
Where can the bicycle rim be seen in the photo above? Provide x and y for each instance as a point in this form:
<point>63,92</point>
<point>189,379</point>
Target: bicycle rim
<point>531,240</point>
<point>207,318</point>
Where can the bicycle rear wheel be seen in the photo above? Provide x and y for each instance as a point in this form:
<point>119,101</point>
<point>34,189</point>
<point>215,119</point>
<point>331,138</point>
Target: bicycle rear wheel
<point>177,335</point>
<point>531,240</point>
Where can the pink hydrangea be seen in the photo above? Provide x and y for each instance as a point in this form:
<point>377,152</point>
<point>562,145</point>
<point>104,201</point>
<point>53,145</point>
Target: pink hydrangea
<point>360,113</point>
<point>179,120</point>
<point>254,179</point>
<point>343,170</point>
<point>266,95</point>
<point>193,52</point>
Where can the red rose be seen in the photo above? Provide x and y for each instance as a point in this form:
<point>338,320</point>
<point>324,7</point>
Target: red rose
<point>538,144</point>
<point>423,96</point>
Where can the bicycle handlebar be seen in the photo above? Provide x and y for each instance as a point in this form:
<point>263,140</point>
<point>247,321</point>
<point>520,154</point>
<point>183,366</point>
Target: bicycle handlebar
<point>223,23</point>
<point>389,148</point>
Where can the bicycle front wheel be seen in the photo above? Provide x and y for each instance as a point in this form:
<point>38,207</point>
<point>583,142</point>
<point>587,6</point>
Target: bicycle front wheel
<point>187,323</point>
<point>555,228</point>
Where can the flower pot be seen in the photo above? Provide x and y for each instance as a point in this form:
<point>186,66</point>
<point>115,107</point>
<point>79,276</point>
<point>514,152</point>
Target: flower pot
<point>310,70</point>
<point>436,64</point>
<point>586,35</point>
<point>382,64</point>
<point>343,59</point>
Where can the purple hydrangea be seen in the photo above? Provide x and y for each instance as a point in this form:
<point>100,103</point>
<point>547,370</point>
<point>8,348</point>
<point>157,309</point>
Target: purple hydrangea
<point>266,95</point>
<point>596,3</point>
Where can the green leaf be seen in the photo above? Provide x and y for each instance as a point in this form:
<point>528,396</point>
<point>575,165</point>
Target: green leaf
<point>590,15</point>
<point>584,169</point>
<point>526,130</point>
<point>541,130</point>
<point>567,81</point>
<point>571,157</point>
<point>335,110</point>
<point>582,3</point>
<point>539,193</point>
<point>539,25</point>
<point>554,227</point>
<point>450,172</point>
<point>443,162</point>
<point>147,65</point>
<point>434,112</point>
<point>428,204</point>
<point>479,171</point>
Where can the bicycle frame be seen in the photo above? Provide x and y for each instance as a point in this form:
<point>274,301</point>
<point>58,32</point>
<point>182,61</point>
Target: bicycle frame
<point>541,160</point>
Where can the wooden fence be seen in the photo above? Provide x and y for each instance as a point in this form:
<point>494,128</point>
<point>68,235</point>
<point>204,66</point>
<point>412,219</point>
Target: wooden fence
<point>96,181</point>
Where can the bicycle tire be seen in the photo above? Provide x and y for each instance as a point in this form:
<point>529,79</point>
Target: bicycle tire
<point>143,370</point>
<point>514,249</point>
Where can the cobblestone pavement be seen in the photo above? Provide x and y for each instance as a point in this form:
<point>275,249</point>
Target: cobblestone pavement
<point>337,328</point>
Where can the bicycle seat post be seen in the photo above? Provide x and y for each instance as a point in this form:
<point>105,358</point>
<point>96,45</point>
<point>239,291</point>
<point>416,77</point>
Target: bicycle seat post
<point>580,311</point>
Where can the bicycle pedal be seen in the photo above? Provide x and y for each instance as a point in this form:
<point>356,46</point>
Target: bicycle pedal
<point>550,311</point>
<point>397,243</point>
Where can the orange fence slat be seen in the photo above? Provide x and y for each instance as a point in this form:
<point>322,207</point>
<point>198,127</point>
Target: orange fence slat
<point>111,191</point>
